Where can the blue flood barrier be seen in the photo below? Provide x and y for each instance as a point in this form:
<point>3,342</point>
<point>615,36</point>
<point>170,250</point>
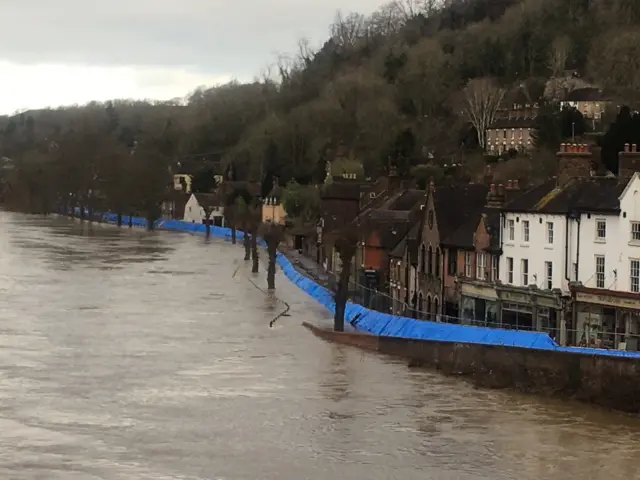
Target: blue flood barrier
<point>384,324</point>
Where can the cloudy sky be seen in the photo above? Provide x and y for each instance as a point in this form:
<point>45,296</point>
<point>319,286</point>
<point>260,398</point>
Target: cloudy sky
<point>57,52</point>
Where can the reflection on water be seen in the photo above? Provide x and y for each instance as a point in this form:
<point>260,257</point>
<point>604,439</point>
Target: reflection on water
<point>134,355</point>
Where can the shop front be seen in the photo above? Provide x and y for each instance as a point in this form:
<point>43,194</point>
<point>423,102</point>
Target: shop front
<point>479,304</point>
<point>606,319</point>
<point>502,306</point>
<point>533,309</point>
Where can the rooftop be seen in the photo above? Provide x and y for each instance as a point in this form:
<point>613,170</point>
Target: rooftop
<point>593,194</point>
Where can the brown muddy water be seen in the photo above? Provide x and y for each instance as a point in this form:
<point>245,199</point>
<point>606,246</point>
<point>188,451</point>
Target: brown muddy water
<point>129,355</point>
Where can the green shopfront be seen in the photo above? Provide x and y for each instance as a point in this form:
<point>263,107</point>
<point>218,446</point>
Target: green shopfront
<point>502,306</point>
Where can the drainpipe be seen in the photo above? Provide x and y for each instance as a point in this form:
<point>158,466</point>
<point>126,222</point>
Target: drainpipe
<point>579,220</point>
<point>566,249</point>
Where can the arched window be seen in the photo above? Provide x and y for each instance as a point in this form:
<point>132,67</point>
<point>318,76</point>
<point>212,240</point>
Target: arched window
<point>436,306</point>
<point>430,260</point>
<point>428,309</point>
<point>438,259</point>
<point>419,303</point>
<point>422,259</point>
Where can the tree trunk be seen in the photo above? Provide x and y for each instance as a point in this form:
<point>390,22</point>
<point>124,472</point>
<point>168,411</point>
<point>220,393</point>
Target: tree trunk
<point>233,234</point>
<point>150,222</point>
<point>130,220</point>
<point>207,227</point>
<point>254,252</point>
<point>247,245</point>
<point>119,220</point>
<point>342,294</point>
<point>271,270</point>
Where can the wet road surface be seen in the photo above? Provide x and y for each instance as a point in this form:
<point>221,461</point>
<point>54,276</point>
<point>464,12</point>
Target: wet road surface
<point>129,355</point>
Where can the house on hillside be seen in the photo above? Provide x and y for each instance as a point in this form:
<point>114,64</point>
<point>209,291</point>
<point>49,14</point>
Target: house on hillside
<point>511,133</point>
<point>196,208</point>
<point>272,208</point>
<point>591,102</point>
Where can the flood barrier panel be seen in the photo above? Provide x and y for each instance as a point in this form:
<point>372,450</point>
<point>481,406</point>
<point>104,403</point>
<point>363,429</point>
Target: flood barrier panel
<point>384,324</point>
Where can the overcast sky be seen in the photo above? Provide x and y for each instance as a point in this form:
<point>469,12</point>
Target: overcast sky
<point>57,52</point>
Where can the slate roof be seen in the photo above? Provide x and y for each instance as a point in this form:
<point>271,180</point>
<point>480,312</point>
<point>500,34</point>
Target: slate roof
<point>457,204</point>
<point>587,94</point>
<point>392,234</point>
<point>513,122</point>
<point>211,199</point>
<point>342,191</point>
<point>400,249</point>
<point>593,194</point>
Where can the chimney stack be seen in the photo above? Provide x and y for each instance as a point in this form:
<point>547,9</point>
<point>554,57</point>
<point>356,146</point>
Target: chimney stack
<point>574,161</point>
<point>495,197</point>
<point>628,161</point>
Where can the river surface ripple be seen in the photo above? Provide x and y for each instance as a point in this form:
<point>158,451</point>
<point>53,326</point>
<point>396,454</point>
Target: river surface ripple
<point>134,355</point>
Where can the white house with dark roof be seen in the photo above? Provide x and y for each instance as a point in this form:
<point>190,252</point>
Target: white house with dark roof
<point>194,210</point>
<point>571,242</point>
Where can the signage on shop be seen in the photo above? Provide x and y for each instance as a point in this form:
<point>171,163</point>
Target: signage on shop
<point>609,300</point>
<point>478,291</point>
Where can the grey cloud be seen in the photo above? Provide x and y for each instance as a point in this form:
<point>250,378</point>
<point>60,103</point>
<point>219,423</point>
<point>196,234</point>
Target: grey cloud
<point>235,38</point>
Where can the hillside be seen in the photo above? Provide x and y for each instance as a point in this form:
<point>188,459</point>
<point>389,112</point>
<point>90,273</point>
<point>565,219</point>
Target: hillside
<point>393,88</point>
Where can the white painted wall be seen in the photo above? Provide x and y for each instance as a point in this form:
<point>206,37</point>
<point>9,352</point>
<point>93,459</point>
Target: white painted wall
<point>618,247</point>
<point>537,250</point>
<point>194,213</point>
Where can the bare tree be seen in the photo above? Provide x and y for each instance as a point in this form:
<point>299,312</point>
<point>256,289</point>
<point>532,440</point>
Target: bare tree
<point>273,233</point>
<point>482,99</point>
<point>345,240</point>
<point>560,50</point>
<point>346,31</point>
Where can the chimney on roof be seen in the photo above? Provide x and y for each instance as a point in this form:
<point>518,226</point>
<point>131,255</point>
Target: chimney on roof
<point>574,161</point>
<point>628,161</point>
<point>495,197</point>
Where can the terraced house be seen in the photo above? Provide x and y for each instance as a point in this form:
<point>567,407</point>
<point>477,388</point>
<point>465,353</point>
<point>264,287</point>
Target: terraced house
<point>446,209</point>
<point>570,262</point>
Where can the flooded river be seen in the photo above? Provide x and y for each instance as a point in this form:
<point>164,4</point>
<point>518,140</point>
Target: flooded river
<point>128,355</point>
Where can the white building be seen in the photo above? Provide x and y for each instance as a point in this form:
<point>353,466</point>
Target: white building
<point>577,238</point>
<point>194,210</point>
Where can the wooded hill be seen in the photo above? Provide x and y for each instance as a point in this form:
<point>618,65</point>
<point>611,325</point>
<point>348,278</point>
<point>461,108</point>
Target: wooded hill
<point>390,89</point>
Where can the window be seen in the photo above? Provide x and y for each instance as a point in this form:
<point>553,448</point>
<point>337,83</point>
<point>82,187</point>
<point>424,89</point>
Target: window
<point>550,232</point>
<point>509,270</point>
<point>511,225</point>
<point>601,229</point>
<point>599,271</point>
<point>494,267</point>
<point>525,231</point>
<point>438,260</point>
<point>548,268</point>
<point>481,265</point>
<point>423,255</point>
<point>635,276</point>
<point>635,231</point>
<point>430,260</point>
<point>467,264</point>
<point>525,272</point>
<point>452,261</point>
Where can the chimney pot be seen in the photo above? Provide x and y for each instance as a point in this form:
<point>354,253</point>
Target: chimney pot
<point>515,185</point>
<point>634,148</point>
<point>563,147</point>
<point>492,188</point>
<point>626,148</point>
<point>509,185</point>
<point>500,189</point>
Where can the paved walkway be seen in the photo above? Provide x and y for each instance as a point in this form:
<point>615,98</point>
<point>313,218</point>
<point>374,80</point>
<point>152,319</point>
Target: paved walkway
<point>309,268</point>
